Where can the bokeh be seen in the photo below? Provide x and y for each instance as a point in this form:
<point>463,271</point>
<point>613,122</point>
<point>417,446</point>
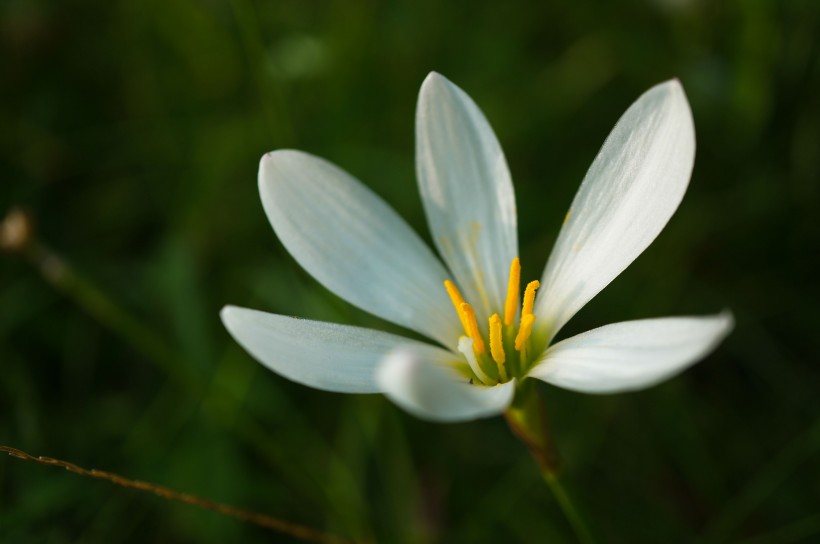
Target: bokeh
<point>131,133</point>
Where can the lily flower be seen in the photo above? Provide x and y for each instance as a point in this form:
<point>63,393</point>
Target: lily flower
<point>485,338</point>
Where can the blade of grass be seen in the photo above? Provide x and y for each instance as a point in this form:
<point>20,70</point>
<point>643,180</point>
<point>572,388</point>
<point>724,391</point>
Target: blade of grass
<point>763,484</point>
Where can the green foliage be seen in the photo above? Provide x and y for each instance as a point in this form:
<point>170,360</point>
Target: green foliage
<point>132,132</point>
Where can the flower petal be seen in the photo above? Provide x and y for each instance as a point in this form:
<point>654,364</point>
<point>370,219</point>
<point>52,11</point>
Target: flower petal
<point>629,193</point>
<point>353,243</point>
<point>425,387</point>
<point>321,355</point>
<point>631,355</point>
<point>467,192</point>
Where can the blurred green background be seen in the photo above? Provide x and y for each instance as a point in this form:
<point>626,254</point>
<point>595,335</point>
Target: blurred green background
<point>132,132</point>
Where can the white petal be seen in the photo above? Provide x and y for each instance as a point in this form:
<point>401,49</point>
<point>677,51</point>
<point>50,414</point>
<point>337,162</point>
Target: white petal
<point>467,192</point>
<point>321,355</point>
<point>631,355</point>
<point>353,243</point>
<point>428,389</point>
<point>629,193</point>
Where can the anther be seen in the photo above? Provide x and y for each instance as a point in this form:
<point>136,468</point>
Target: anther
<point>458,300</point>
<point>496,343</point>
<point>529,298</point>
<point>524,331</point>
<point>471,327</point>
<point>513,287</point>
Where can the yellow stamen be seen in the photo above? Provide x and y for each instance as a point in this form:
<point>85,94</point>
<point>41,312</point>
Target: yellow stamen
<point>529,299</point>
<point>471,327</point>
<point>458,300</point>
<point>524,331</point>
<point>513,287</point>
<point>496,343</point>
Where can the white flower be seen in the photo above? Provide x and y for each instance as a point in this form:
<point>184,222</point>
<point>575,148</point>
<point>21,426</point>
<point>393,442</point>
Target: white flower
<point>358,247</point>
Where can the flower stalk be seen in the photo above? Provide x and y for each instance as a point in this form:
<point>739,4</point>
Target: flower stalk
<point>527,418</point>
<point>582,532</point>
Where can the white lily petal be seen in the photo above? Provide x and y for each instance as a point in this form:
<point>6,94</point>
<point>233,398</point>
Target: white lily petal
<point>631,355</point>
<point>467,192</point>
<point>428,389</point>
<point>321,355</point>
<point>629,193</point>
<point>353,243</point>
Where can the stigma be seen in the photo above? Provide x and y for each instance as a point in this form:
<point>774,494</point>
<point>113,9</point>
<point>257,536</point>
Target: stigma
<point>507,352</point>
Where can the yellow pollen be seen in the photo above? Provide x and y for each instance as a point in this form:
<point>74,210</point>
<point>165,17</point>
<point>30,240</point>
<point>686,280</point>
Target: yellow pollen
<point>458,300</point>
<point>471,327</point>
<point>496,343</point>
<point>566,217</point>
<point>529,298</point>
<point>513,287</point>
<point>524,331</point>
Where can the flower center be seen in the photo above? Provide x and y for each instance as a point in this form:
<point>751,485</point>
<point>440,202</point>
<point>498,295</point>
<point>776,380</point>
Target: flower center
<point>509,342</point>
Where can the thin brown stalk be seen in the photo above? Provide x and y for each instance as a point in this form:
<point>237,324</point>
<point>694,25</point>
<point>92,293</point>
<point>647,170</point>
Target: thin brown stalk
<point>263,520</point>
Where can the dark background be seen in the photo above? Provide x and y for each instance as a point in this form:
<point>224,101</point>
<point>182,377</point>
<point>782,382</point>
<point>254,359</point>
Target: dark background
<point>132,132</point>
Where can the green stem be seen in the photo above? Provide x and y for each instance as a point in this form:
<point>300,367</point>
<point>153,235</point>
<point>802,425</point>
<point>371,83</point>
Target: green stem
<point>582,532</point>
<point>527,418</point>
